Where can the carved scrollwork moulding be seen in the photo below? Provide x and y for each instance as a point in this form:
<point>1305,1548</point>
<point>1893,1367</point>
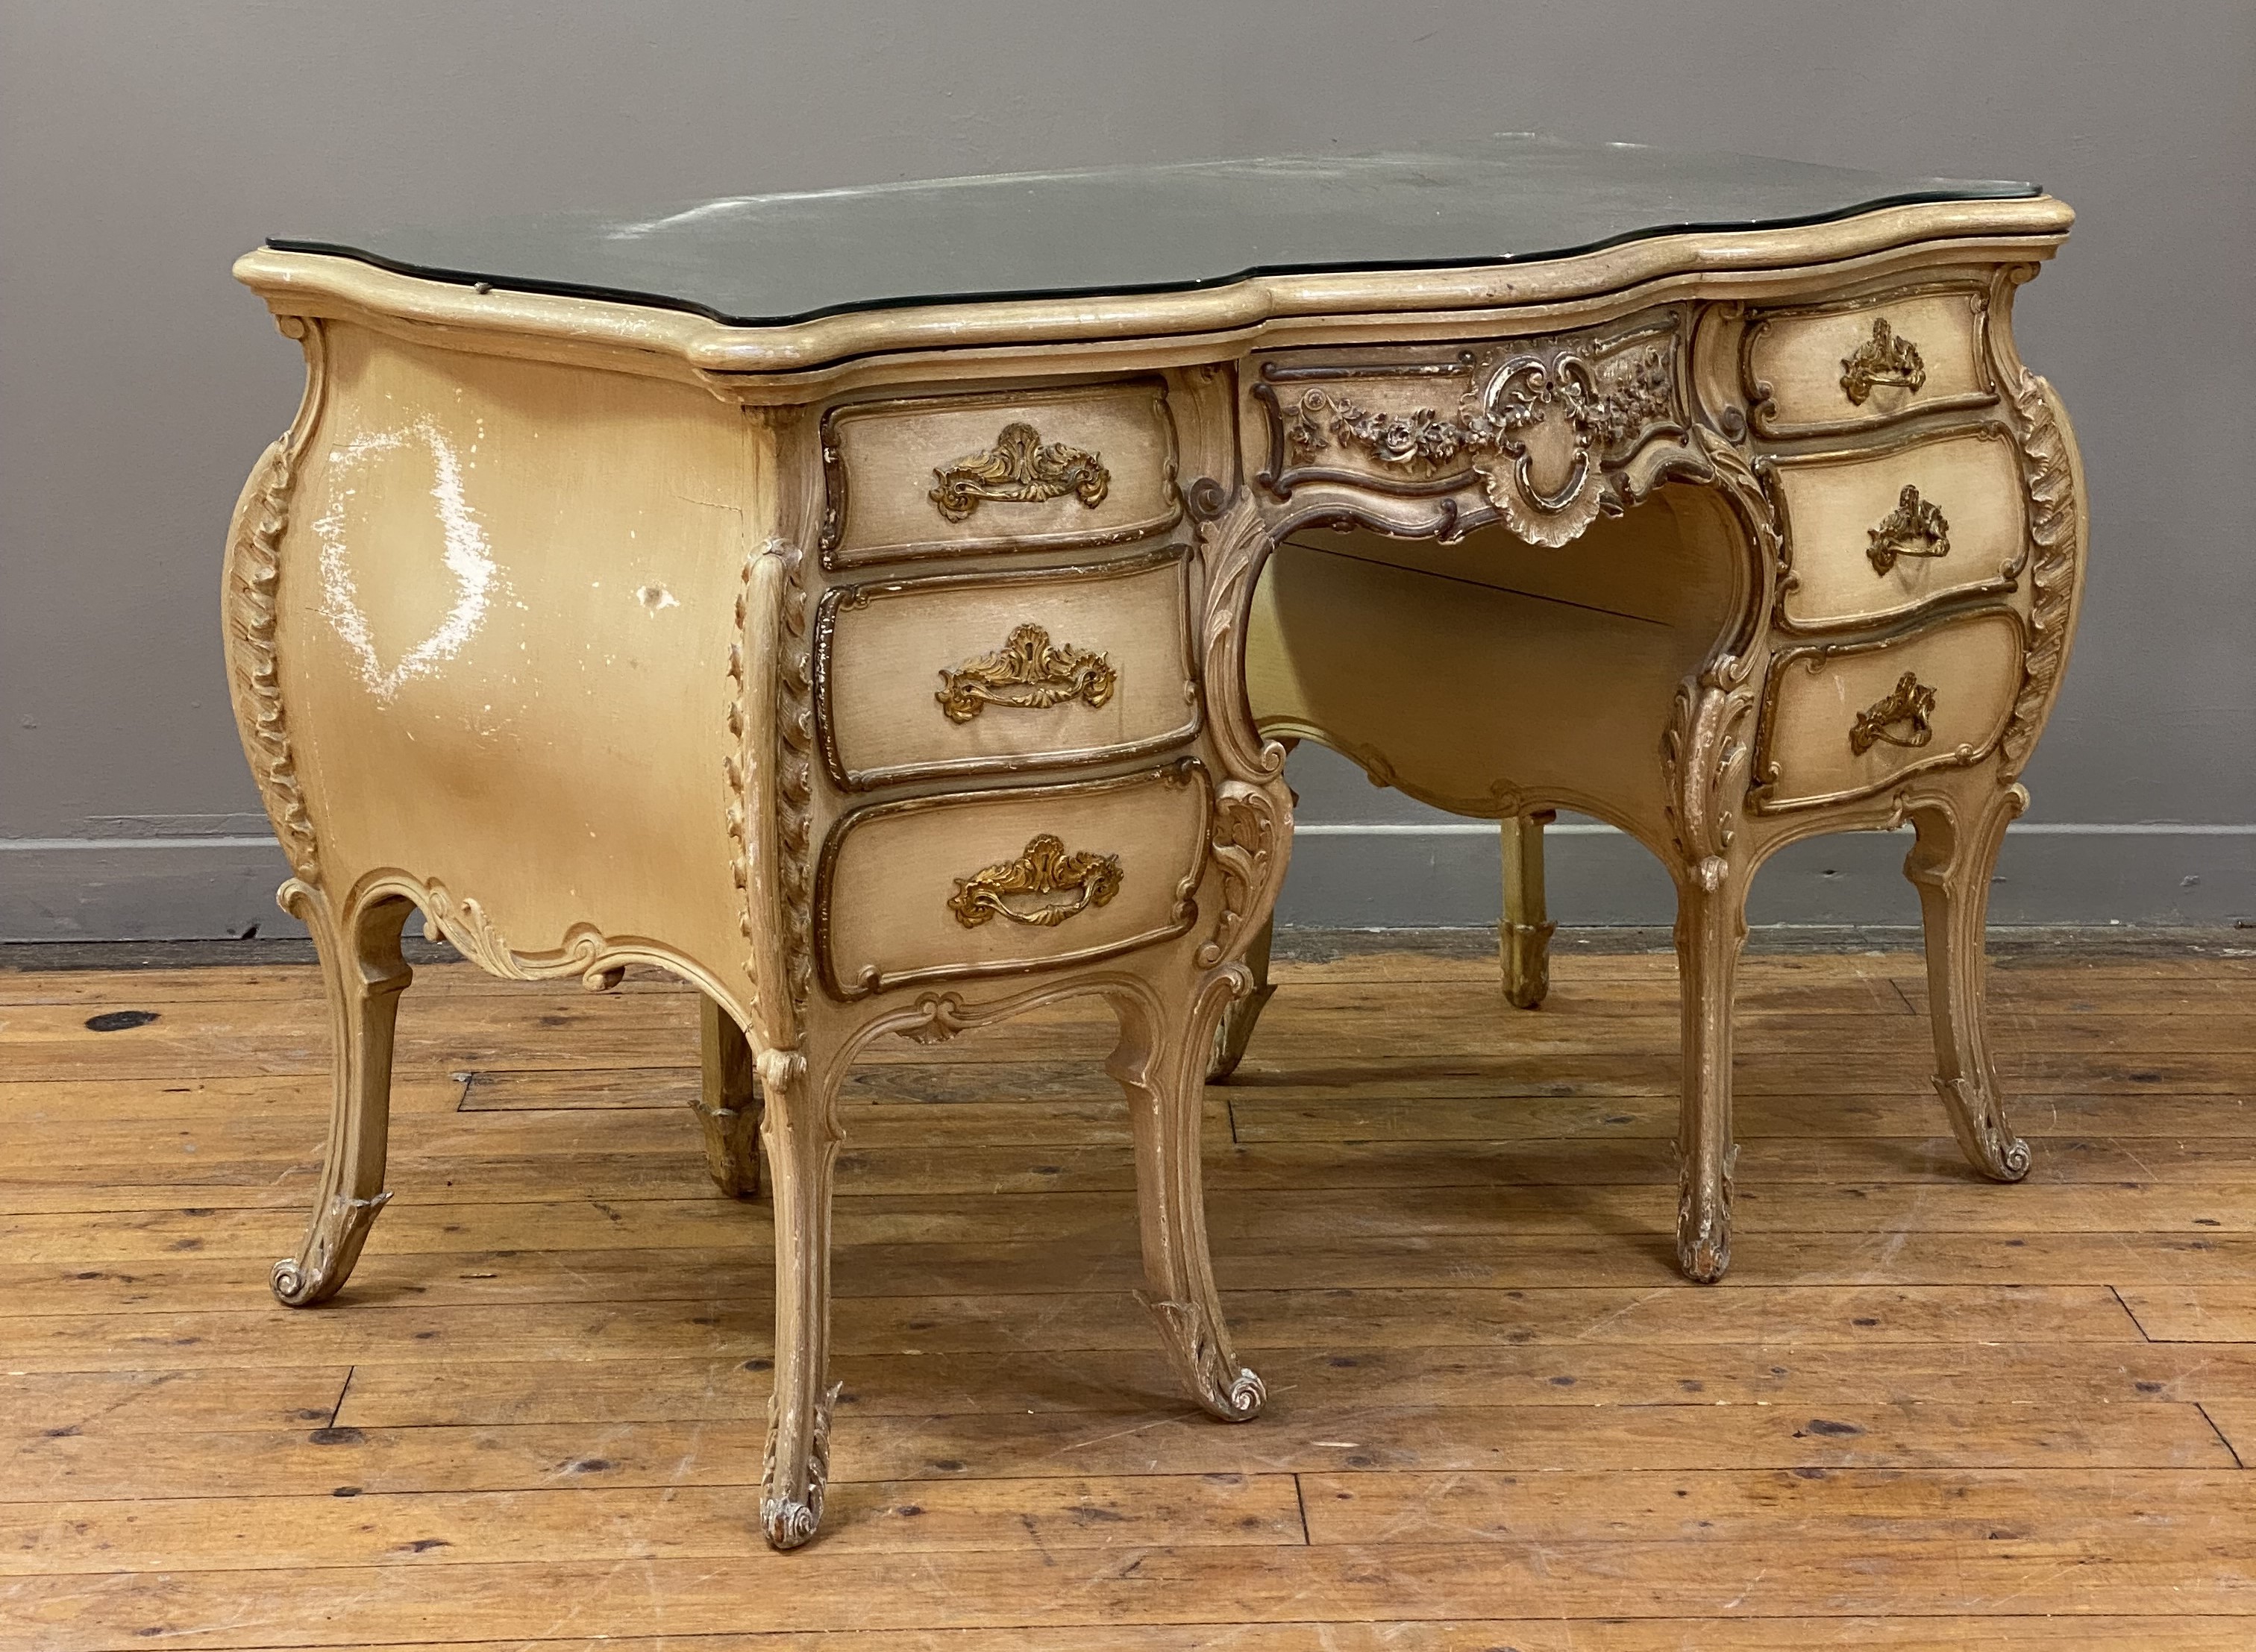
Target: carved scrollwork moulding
<point>254,568</point>
<point>1539,426</point>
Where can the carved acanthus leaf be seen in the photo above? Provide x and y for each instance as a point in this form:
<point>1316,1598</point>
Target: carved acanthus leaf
<point>1246,838</point>
<point>794,787</point>
<point>254,572</point>
<point>2051,481</point>
<point>1232,546</point>
<point>1704,762</point>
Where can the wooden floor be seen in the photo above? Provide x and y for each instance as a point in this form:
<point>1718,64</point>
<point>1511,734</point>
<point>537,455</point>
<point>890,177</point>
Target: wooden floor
<point>1923,1412</point>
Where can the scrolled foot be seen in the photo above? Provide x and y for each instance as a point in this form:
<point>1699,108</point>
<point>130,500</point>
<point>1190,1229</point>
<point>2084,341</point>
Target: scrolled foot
<point>1703,1228</point>
<point>1223,1388</point>
<point>790,1512</point>
<point>787,1524</point>
<point>320,1271</point>
<point>1990,1145</point>
<point>1233,1032</point>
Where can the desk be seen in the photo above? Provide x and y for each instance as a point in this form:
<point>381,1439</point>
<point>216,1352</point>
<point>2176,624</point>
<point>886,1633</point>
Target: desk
<point>886,610</point>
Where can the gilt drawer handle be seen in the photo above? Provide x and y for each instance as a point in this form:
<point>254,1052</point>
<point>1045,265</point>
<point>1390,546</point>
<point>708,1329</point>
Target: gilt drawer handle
<point>1029,672</point>
<point>1084,877</point>
<point>1908,705</point>
<point>1914,528</point>
<point>1019,467</point>
<point>1884,358</point>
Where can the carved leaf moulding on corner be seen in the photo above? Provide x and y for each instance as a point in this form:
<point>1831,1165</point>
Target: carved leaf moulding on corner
<point>1020,469</point>
<point>254,565</point>
<point>794,758</point>
<point>2051,485</point>
<point>1028,673</point>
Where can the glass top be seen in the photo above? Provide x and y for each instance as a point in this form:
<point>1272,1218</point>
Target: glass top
<point>765,260</point>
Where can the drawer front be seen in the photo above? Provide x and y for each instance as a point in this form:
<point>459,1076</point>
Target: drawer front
<point>1846,367</point>
<point>997,882</point>
<point>1094,465</point>
<point>989,672</point>
<point>1872,537</point>
<point>1843,721</point>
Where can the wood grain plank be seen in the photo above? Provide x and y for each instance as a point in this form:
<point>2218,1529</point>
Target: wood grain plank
<point>622,1524</point>
<point>1152,1433</point>
<point>77,1613</point>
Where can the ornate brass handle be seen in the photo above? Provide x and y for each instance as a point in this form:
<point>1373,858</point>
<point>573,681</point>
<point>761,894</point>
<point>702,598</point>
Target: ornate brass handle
<point>1030,673</point>
<point>1882,359</point>
<point>1019,467</point>
<point>1085,878</point>
<point>1914,528</point>
<point>1910,702</point>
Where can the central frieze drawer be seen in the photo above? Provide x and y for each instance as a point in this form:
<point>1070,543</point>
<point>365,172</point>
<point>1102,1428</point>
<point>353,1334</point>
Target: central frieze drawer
<point>1845,721</point>
<point>1000,882</point>
<point>1836,368</point>
<point>972,672</point>
<point>1873,535</point>
<point>1033,469</point>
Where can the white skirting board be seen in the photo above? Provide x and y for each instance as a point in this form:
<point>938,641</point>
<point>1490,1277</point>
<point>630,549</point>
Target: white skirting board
<point>1351,875</point>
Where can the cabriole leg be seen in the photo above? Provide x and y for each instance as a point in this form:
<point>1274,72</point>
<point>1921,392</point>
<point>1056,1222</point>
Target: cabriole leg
<point>364,974</point>
<point>800,1130</point>
<point>1238,1017</point>
<point>1159,1061</point>
<point>1527,927</point>
<point>727,1102</point>
<point>1711,926</point>
<point>1950,864</point>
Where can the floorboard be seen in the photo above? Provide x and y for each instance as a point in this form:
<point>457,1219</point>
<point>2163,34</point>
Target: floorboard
<point>1924,1413</point>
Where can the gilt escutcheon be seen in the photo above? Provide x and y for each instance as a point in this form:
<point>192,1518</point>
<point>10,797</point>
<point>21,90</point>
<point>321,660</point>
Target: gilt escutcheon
<point>1914,528</point>
<point>1019,890</point>
<point>1029,672</point>
<point>1884,358</point>
<point>1907,706</point>
<point>1020,467</point>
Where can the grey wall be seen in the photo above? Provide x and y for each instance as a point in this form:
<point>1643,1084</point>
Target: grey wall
<point>143,145</point>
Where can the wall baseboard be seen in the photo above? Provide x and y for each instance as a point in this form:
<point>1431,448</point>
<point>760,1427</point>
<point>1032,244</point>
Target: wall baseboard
<point>1345,875</point>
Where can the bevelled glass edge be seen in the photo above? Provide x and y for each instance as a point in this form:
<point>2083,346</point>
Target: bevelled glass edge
<point>2001,190</point>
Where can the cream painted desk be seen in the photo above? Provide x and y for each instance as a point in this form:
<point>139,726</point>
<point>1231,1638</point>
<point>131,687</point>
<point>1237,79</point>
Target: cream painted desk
<point>849,603</point>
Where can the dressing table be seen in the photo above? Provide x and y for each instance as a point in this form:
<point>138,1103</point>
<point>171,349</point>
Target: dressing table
<point>887,609</point>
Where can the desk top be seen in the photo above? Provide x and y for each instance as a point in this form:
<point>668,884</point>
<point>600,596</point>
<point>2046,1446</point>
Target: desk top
<point>773,260</point>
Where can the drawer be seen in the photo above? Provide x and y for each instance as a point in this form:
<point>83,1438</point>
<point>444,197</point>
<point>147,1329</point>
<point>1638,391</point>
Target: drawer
<point>1093,464</point>
<point>998,882</point>
<point>989,672</point>
<point>1842,367</point>
<point>1843,721</point>
<point>1876,535</point>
